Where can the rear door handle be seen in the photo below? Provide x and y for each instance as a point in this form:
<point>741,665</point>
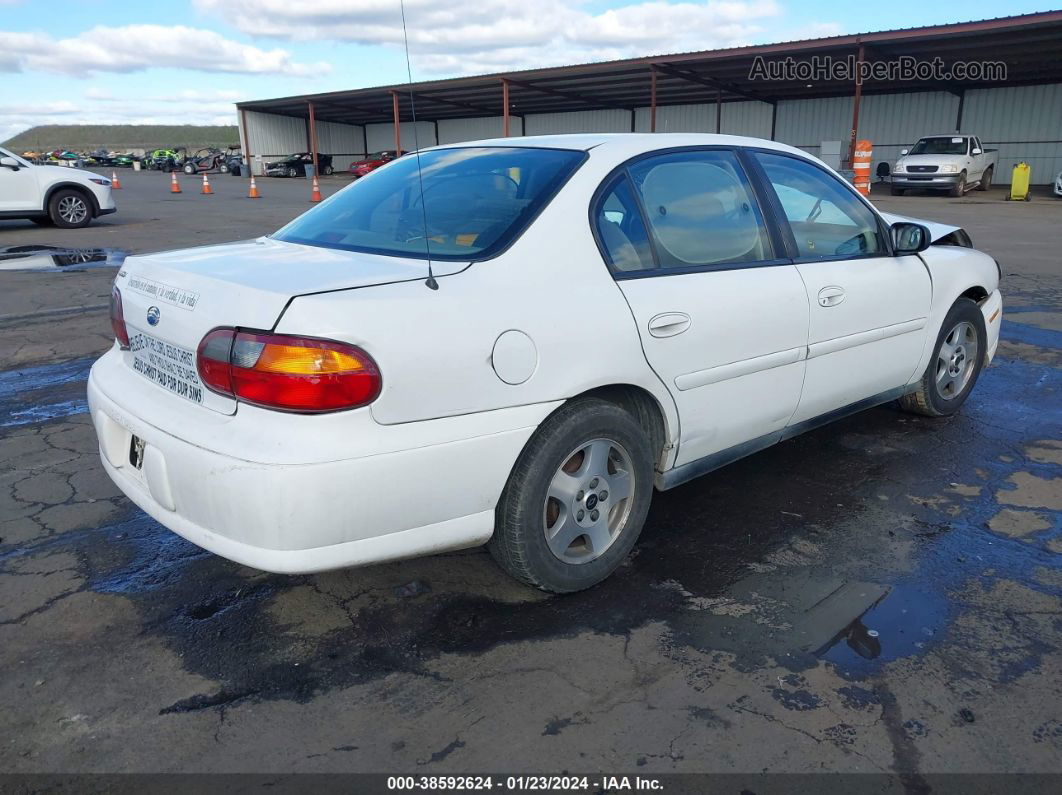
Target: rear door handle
<point>669,324</point>
<point>831,296</point>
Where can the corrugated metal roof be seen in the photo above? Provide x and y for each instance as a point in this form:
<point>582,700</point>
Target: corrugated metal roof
<point>1028,43</point>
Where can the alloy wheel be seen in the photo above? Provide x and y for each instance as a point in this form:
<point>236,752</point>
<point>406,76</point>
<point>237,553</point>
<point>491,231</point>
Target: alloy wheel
<point>589,501</point>
<point>956,360</point>
<point>73,209</point>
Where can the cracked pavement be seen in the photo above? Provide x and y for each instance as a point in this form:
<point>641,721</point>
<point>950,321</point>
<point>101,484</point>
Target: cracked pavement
<point>881,595</point>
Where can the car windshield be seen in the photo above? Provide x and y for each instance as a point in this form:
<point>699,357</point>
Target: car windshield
<point>465,203</point>
<point>940,146</point>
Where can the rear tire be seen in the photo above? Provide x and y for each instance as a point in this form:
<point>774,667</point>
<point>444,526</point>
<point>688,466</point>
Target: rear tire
<point>986,180</point>
<point>70,209</point>
<point>576,499</point>
<point>956,364</point>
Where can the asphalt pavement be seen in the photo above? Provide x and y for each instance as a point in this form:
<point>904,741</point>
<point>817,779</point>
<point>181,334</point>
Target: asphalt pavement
<point>881,595</point>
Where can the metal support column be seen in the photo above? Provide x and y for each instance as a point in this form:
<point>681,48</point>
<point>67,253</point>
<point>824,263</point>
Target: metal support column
<point>505,107</point>
<point>652,98</point>
<point>313,139</point>
<point>854,133</point>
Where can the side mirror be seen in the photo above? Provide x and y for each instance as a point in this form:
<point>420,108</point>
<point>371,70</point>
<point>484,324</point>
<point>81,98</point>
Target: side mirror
<point>908,238</point>
<point>10,162</point>
<point>975,152</point>
<point>904,151</point>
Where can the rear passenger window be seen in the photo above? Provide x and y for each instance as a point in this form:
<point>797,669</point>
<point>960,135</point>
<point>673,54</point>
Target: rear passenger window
<point>621,230</point>
<point>700,209</point>
<point>827,219</point>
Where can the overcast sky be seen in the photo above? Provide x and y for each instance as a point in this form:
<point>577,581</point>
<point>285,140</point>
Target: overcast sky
<point>187,61</point>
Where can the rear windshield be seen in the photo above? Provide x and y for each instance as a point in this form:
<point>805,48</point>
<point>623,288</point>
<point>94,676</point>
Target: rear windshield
<point>465,203</point>
<point>940,146</point>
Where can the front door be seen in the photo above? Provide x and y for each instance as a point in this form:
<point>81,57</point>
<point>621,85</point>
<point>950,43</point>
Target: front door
<point>723,319</point>
<point>18,189</point>
<point>868,309</point>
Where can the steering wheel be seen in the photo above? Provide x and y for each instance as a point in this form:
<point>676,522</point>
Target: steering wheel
<point>411,227</point>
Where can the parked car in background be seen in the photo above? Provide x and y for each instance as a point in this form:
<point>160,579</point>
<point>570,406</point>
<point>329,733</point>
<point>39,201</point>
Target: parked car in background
<point>124,160</point>
<point>46,194</point>
<point>233,159</point>
<point>360,168</point>
<point>206,159</point>
<point>953,163</point>
<point>295,165</point>
<point>164,159</point>
<point>582,318</point>
<point>1058,185</point>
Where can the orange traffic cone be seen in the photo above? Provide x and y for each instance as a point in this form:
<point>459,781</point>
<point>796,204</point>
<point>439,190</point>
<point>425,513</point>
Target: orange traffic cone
<point>315,196</point>
<point>175,186</point>
<point>253,194</point>
<point>115,184</point>
<point>206,191</point>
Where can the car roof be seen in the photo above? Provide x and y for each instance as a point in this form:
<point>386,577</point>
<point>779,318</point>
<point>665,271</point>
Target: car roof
<point>630,143</point>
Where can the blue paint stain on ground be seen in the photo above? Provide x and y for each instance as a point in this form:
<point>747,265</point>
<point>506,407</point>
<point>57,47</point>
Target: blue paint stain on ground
<point>1031,335</point>
<point>32,395</point>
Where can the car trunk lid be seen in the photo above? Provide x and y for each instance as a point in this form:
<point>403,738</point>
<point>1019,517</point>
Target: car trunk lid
<point>172,299</point>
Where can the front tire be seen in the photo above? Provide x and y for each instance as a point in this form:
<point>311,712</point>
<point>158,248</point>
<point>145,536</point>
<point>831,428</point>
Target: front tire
<point>293,172</point>
<point>70,209</point>
<point>953,371</point>
<point>959,188</point>
<point>189,168</point>
<point>896,191</point>
<point>576,500</point>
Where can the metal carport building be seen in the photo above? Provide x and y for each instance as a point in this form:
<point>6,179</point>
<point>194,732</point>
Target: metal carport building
<point>714,91</point>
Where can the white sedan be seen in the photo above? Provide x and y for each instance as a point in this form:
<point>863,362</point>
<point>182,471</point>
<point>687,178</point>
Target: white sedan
<point>514,342</point>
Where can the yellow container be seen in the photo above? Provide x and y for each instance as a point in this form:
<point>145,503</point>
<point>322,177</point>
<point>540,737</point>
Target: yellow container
<point>1019,183</point>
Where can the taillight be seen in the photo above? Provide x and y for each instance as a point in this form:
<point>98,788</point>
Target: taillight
<point>278,371</point>
<point>118,319</point>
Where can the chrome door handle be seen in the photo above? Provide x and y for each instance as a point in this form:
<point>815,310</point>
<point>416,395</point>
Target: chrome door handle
<point>831,296</point>
<point>669,324</point>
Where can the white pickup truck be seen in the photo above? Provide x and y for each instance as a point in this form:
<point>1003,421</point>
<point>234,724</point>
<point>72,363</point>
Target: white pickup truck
<point>66,197</point>
<point>953,163</point>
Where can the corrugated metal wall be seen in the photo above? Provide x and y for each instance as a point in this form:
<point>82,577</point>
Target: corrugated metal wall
<point>890,121</point>
<point>453,131</point>
<point>582,121</point>
<point>269,136</point>
<point>382,136</point>
<point>1024,123</point>
<point>343,141</point>
<point>738,118</point>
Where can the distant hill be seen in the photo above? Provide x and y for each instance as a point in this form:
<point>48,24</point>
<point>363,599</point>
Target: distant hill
<point>121,137</point>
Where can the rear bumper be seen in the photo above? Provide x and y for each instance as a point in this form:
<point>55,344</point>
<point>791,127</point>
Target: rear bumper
<point>418,498</point>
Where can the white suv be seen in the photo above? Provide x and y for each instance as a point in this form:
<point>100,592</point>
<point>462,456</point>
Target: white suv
<point>51,194</point>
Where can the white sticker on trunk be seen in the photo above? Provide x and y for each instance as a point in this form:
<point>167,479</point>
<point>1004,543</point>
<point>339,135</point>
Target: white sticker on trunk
<point>164,293</point>
<point>168,365</point>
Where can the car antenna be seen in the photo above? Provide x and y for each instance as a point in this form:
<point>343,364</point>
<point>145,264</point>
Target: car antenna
<point>430,282</point>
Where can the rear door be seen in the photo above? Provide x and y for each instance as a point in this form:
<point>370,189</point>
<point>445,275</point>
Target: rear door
<point>723,320</point>
<point>868,309</point>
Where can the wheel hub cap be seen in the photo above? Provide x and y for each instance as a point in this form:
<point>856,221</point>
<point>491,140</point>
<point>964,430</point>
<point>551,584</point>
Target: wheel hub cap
<point>956,360</point>
<point>588,501</point>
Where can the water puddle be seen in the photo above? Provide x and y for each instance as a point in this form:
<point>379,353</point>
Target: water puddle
<point>57,258</point>
<point>31,395</point>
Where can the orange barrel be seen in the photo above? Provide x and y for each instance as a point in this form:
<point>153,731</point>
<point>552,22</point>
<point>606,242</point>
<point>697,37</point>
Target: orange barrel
<point>861,156</point>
